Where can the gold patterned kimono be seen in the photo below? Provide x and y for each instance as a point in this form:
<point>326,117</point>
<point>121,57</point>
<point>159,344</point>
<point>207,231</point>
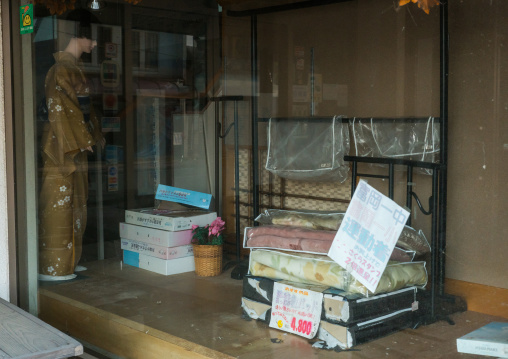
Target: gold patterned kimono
<point>64,186</point>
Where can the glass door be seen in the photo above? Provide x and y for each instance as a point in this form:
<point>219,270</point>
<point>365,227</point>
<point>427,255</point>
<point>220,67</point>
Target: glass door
<point>117,103</point>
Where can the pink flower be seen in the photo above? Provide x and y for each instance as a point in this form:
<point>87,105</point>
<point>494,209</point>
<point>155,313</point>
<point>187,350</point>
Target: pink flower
<point>194,226</point>
<point>219,223</point>
<point>216,227</point>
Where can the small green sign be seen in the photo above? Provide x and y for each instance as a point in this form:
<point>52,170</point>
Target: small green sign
<point>26,13</point>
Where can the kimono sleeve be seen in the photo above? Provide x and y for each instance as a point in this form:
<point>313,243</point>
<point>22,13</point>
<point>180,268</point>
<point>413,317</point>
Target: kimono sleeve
<point>65,116</point>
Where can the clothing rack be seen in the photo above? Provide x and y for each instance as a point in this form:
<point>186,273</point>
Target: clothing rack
<point>440,305</point>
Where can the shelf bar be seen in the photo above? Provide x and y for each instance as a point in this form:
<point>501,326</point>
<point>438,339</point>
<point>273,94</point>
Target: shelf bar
<point>395,161</point>
<point>348,119</point>
<point>254,109</point>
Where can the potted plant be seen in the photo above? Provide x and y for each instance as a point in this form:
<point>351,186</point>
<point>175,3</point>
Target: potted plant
<point>207,245</point>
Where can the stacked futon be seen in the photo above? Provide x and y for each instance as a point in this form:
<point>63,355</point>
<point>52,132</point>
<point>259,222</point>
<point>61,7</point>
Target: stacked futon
<point>289,248</point>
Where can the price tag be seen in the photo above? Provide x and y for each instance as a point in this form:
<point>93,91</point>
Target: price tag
<point>414,306</point>
<point>296,310</point>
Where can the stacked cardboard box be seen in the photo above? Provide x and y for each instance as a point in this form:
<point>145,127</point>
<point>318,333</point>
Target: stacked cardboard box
<point>160,240</point>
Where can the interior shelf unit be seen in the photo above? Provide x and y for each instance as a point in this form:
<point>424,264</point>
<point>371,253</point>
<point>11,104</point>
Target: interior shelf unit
<point>438,304</point>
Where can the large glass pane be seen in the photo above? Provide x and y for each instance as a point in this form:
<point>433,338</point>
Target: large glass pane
<point>353,59</point>
<point>121,108</point>
<point>127,98</point>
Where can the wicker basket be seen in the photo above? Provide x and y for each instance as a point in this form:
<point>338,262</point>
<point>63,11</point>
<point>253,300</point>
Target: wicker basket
<point>208,260</point>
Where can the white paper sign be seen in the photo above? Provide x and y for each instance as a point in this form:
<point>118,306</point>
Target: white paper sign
<point>368,233</point>
<point>296,310</point>
<point>300,93</point>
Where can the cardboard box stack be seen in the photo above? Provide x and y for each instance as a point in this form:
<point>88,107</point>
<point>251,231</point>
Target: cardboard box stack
<point>159,240</point>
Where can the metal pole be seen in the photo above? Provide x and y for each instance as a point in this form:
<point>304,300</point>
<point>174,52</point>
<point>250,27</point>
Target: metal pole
<point>354,176</point>
<point>435,256</point>
<point>391,180</point>
<point>312,84</point>
<point>217,143</point>
<point>409,189</point>
<point>237,183</point>
<point>254,109</point>
<point>444,49</point>
<point>100,207</point>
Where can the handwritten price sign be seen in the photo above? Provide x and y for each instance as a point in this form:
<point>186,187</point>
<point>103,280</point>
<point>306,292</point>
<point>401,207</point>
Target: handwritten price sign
<point>303,326</point>
<point>296,310</point>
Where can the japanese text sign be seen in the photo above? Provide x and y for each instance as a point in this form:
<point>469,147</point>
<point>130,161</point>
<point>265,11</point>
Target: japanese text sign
<point>368,233</point>
<point>185,196</point>
<point>296,310</point>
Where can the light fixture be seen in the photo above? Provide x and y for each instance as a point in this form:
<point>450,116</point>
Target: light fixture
<point>96,5</point>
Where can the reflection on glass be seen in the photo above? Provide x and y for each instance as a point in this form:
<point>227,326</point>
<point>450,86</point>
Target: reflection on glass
<point>69,133</point>
<point>150,114</point>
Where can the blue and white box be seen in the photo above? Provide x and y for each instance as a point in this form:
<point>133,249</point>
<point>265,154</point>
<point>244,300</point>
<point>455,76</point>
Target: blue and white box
<point>158,265</point>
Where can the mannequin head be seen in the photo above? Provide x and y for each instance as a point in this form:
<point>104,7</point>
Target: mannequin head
<point>81,38</point>
<point>78,45</point>
<point>87,44</point>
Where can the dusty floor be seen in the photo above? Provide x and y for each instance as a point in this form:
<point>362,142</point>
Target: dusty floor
<point>206,311</point>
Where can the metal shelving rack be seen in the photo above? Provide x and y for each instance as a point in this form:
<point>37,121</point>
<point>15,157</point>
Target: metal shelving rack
<point>439,304</point>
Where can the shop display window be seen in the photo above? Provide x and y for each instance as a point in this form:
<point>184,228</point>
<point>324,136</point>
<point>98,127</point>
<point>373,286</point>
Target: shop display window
<point>202,96</point>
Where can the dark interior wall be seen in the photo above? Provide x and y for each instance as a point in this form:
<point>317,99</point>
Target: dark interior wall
<point>478,171</point>
<point>385,61</point>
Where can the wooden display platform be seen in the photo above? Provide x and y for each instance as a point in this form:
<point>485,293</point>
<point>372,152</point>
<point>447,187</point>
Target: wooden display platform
<point>24,336</point>
<point>135,313</point>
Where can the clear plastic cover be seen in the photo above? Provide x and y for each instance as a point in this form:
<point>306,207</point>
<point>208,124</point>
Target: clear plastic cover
<point>411,241</point>
<point>305,219</point>
<point>308,149</point>
<point>417,141</point>
<point>322,270</point>
<point>305,240</point>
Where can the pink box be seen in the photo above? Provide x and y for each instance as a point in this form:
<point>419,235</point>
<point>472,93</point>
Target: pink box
<point>156,250</point>
<point>159,237</point>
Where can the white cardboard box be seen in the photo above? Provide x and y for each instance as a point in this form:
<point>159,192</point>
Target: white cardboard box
<point>490,340</point>
<point>155,250</point>
<point>155,236</point>
<point>158,265</point>
<point>169,220</point>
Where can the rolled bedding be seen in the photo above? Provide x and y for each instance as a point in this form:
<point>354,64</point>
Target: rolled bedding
<point>410,239</point>
<point>303,240</point>
<point>320,269</point>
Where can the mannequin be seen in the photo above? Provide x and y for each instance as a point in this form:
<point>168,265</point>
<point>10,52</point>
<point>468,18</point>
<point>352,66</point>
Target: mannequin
<point>68,136</point>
